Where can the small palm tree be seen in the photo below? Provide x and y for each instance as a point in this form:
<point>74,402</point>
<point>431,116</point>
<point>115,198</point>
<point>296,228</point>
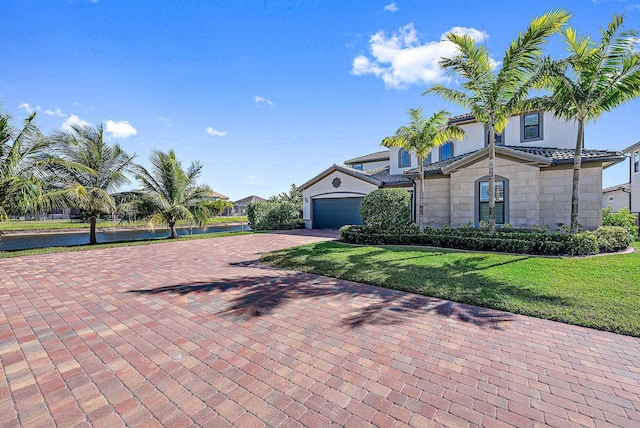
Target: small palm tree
<point>87,171</point>
<point>420,136</point>
<point>22,158</point>
<point>595,78</point>
<point>491,95</point>
<point>172,193</point>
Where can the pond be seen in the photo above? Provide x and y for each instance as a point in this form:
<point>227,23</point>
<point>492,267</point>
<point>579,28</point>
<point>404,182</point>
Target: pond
<point>62,239</point>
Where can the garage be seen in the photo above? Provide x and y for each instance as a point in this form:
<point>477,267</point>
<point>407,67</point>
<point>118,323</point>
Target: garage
<point>336,212</point>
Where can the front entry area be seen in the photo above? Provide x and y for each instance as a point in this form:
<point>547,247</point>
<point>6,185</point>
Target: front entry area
<point>336,212</point>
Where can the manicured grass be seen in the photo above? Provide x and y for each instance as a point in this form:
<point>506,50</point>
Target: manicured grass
<point>599,292</point>
<point>14,226</point>
<point>48,250</point>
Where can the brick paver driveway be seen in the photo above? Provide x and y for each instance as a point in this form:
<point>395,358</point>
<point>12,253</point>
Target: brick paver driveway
<point>197,333</point>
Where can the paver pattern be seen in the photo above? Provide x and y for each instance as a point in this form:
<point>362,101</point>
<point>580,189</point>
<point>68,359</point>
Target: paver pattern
<point>197,333</point>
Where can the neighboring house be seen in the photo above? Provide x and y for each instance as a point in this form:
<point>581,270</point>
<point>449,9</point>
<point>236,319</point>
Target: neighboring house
<point>240,206</point>
<point>534,159</point>
<point>617,197</point>
<point>217,196</point>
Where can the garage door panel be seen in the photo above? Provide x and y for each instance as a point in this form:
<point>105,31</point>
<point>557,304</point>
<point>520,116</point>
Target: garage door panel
<point>336,212</point>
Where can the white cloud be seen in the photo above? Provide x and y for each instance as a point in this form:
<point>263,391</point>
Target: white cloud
<point>74,120</point>
<point>401,60</point>
<point>122,129</point>
<point>56,112</point>
<point>166,121</point>
<point>262,101</point>
<point>215,133</point>
<point>391,7</point>
<point>28,108</point>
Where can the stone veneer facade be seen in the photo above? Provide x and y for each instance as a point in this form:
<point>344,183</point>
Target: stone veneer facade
<point>536,195</point>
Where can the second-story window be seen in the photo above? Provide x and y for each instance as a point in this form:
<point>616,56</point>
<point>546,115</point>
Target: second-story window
<point>446,151</point>
<point>636,162</point>
<point>404,159</point>
<point>357,166</point>
<point>499,138</point>
<point>427,160</point>
<point>531,127</point>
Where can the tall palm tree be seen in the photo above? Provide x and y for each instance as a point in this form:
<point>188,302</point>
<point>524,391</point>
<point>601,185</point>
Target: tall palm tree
<point>420,136</point>
<point>22,155</point>
<point>172,192</point>
<point>87,171</point>
<point>594,78</point>
<point>493,94</point>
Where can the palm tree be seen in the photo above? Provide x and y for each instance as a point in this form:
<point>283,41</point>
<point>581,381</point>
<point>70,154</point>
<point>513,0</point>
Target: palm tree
<point>594,79</point>
<point>172,192</point>
<point>493,95</point>
<point>88,170</point>
<point>420,136</point>
<point>22,156</point>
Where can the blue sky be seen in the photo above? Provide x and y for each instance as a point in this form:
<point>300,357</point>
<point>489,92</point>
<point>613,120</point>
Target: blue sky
<point>262,93</point>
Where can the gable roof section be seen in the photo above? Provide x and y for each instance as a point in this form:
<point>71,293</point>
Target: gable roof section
<point>617,187</point>
<point>372,157</point>
<point>345,170</point>
<point>632,148</point>
<point>252,198</point>
<point>378,176</point>
<point>544,156</point>
<point>219,195</point>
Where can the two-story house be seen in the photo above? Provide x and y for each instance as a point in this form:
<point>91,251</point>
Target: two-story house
<point>534,160</point>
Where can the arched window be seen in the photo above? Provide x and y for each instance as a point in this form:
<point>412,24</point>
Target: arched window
<point>482,200</point>
<point>404,159</point>
<point>446,151</point>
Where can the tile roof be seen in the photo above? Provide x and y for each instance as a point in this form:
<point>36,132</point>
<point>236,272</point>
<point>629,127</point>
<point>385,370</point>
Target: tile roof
<point>372,157</point>
<point>252,198</point>
<point>556,155</point>
<point>384,175</point>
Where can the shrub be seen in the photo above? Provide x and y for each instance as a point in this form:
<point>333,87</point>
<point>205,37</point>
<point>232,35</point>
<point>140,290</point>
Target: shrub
<point>622,218</point>
<point>528,241</point>
<point>386,210</point>
<point>612,238</point>
<point>273,215</point>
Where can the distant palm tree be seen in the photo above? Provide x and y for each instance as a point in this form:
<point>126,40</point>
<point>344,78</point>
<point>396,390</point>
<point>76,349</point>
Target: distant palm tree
<point>595,78</point>
<point>22,157</point>
<point>493,95</point>
<point>87,171</point>
<point>420,136</point>
<point>172,192</point>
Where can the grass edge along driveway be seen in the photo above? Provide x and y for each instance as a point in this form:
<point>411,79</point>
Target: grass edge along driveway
<point>598,292</point>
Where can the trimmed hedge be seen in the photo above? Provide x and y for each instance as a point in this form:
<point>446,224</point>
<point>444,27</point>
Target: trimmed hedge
<point>273,215</point>
<point>387,210</point>
<point>521,241</point>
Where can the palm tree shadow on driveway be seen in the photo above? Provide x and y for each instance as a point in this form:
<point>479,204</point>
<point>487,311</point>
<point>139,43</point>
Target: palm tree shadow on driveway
<point>259,295</point>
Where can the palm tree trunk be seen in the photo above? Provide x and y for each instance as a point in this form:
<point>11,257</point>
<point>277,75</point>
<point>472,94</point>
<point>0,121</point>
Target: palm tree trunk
<point>93,218</point>
<point>421,211</point>
<point>172,227</point>
<point>492,179</point>
<point>577,163</point>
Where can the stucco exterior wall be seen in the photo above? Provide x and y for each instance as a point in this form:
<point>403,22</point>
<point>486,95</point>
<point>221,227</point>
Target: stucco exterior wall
<point>555,197</point>
<point>616,199</point>
<point>366,166</point>
<point>324,188</point>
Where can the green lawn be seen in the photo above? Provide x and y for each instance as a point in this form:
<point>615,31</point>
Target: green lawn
<point>15,226</point>
<point>599,292</point>
<point>48,250</point>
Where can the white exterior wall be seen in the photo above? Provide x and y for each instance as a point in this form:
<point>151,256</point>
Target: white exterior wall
<point>366,166</point>
<point>616,199</point>
<point>349,187</point>
<point>635,187</point>
<point>393,161</point>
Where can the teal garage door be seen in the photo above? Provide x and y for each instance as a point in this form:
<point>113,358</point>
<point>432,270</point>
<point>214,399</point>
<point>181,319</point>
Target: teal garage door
<point>335,213</point>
